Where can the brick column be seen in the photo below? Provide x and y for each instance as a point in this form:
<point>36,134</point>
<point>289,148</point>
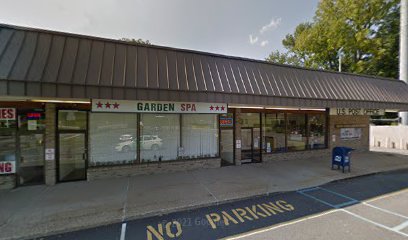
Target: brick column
<point>237,134</point>
<point>362,122</point>
<point>50,131</point>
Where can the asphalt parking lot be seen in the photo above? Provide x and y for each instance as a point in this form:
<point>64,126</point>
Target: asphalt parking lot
<point>368,207</point>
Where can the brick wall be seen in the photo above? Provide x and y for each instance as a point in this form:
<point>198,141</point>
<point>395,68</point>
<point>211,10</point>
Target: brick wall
<point>7,181</point>
<point>50,123</point>
<point>237,135</point>
<point>105,172</point>
<point>359,144</point>
<point>321,153</point>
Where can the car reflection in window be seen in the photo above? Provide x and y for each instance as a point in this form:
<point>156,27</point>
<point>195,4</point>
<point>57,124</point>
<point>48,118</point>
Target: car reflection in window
<point>148,142</point>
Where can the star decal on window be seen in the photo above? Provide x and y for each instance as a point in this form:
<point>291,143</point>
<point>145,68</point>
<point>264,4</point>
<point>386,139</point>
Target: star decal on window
<point>99,105</point>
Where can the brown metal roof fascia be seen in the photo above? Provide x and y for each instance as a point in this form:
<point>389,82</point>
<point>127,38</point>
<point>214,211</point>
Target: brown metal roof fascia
<point>151,94</point>
<point>67,34</point>
<point>24,58</point>
<point>338,89</point>
<point>311,85</point>
<point>69,59</point>
<point>10,53</point>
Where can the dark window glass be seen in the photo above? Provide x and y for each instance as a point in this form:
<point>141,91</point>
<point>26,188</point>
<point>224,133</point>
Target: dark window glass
<point>274,132</point>
<point>199,136</point>
<point>7,145</point>
<point>31,120</point>
<point>317,131</point>
<point>71,120</point>
<point>31,167</point>
<point>160,137</point>
<point>112,138</point>
<point>296,131</point>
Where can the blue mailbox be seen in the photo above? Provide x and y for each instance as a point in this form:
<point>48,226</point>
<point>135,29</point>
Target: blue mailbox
<point>341,157</point>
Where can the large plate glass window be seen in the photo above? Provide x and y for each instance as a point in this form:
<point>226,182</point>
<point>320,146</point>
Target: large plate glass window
<point>274,127</point>
<point>31,127</point>
<point>113,138</point>
<point>199,136</point>
<point>250,137</point>
<point>7,151</point>
<point>7,140</point>
<point>296,131</point>
<point>317,131</point>
<point>31,120</point>
<point>160,137</point>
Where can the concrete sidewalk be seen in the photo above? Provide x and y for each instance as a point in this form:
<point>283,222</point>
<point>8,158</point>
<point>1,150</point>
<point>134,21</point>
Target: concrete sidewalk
<point>40,210</point>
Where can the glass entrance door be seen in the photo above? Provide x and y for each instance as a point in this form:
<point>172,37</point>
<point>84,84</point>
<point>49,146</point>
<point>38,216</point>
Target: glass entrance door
<point>227,146</point>
<point>72,156</point>
<point>72,151</point>
<point>251,145</point>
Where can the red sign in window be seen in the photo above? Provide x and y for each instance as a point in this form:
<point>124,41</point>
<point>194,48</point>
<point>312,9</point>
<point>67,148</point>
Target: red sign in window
<point>7,113</point>
<point>7,167</point>
<point>34,115</point>
<point>226,122</point>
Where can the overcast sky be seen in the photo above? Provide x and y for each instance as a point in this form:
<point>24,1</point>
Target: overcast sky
<point>245,28</point>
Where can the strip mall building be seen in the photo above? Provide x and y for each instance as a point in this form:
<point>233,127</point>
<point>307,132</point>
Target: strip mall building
<point>76,107</point>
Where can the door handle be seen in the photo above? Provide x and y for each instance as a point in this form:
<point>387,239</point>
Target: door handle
<point>84,156</point>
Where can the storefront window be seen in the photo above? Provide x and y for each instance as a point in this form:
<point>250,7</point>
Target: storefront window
<point>112,138</point>
<point>31,120</point>
<point>199,136</point>
<point>160,137</point>
<point>296,131</point>
<point>250,120</point>
<point>7,145</point>
<point>274,132</point>
<point>31,158</point>
<point>71,120</point>
<point>317,131</point>
<point>251,137</point>
<point>7,140</point>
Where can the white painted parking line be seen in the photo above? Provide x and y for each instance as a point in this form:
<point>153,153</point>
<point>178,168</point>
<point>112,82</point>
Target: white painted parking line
<point>123,232</point>
<point>401,226</point>
<point>375,223</point>
<point>263,230</point>
<point>387,195</point>
<point>395,229</point>
<point>385,210</point>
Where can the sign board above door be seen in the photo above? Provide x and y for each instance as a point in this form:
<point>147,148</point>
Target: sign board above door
<point>357,111</point>
<point>104,105</point>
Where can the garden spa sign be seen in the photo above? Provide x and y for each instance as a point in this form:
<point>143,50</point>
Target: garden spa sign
<point>105,105</point>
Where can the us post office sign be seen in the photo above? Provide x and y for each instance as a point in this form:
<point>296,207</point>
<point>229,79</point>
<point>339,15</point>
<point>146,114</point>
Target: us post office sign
<point>357,111</point>
<point>104,105</point>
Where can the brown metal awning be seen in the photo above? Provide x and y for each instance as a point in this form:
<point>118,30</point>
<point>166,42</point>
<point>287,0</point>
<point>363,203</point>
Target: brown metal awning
<point>39,63</point>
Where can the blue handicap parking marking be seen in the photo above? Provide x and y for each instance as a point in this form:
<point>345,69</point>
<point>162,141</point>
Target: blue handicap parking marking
<point>328,197</point>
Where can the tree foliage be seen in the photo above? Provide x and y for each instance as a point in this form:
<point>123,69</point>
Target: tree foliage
<point>367,31</point>
<point>136,41</point>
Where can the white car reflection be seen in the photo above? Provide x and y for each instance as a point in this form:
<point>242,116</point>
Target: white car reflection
<point>148,142</point>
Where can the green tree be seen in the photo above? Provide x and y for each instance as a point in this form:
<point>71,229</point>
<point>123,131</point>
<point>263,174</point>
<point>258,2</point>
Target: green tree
<point>366,30</point>
<point>136,41</point>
